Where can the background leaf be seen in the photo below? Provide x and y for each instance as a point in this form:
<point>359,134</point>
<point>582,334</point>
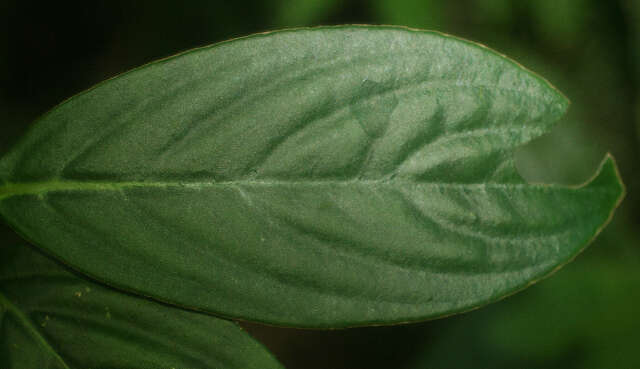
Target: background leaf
<point>51,318</point>
<point>296,13</point>
<point>411,13</point>
<point>580,325</point>
<point>364,176</point>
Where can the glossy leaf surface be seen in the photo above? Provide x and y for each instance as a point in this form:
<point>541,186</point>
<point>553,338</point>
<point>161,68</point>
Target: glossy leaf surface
<point>323,178</point>
<point>51,318</point>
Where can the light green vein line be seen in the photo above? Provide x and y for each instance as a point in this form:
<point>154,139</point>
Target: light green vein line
<point>41,188</point>
<point>38,188</point>
<point>28,324</point>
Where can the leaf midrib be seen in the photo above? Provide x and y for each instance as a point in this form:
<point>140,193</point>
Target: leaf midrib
<point>45,187</point>
<point>31,328</point>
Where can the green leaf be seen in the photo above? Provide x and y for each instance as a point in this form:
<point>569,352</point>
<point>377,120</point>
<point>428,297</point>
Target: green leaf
<point>324,177</point>
<point>51,318</point>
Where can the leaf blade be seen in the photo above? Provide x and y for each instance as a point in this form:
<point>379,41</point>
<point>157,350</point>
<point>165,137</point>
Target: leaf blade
<point>352,178</point>
<point>53,318</point>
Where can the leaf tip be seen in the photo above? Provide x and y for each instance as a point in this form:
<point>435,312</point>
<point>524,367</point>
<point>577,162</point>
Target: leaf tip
<point>608,177</point>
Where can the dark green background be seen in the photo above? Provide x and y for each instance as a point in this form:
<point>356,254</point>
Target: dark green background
<point>585,316</point>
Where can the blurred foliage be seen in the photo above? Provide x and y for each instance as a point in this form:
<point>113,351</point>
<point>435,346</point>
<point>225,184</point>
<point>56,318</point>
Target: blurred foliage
<point>295,13</point>
<point>561,22</point>
<point>411,13</point>
<point>566,322</point>
<point>583,317</point>
<point>633,18</point>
